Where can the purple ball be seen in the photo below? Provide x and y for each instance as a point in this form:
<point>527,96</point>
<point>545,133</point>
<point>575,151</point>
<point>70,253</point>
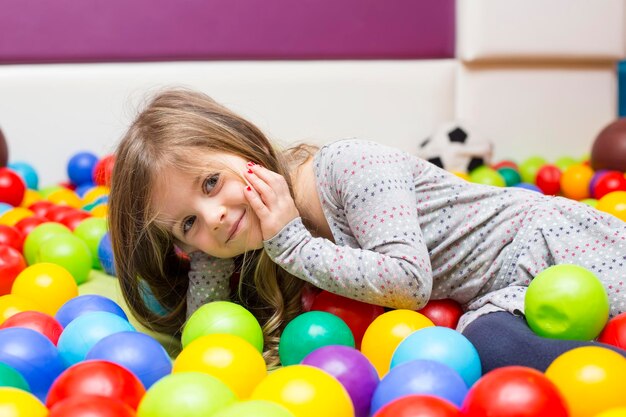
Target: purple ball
<point>353,370</point>
<point>594,180</point>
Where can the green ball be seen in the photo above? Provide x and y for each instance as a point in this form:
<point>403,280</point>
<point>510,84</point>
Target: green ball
<point>565,162</point>
<point>189,394</point>
<point>310,331</point>
<point>68,251</point>
<point>256,408</point>
<point>566,302</point>
<point>40,234</point>
<point>529,168</point>
<point>487,176</point>
<point>223,317</point>
<point>91,231</point>
<point>10,377</point>
<point>510,175</point>
<point>590,202</point>
<point>46,191</point>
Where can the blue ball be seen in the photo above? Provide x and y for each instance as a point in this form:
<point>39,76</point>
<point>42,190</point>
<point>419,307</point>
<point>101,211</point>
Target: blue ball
<point>80,168</point>
<point>138,352</point>
<point>5,207</point>
<point>33,355</point>
<point>443,345</point>
<point>105,254</point>
<point>82,189</point>
<point>27,172</point>
<point>85,331</point>
<point>87,303</point>
<point>527,186</point>
<point>423,377</point>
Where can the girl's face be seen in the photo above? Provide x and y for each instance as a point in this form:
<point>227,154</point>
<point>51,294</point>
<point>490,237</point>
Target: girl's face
<point>209,212</point>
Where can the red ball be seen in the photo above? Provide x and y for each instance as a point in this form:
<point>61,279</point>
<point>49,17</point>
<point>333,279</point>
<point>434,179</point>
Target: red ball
<point>11,236</point>
<point>548,179</point>
<point>26,225</point>
<point>103,170</point>
<point>91,406</point>
<point>11,264</point>
<point>56,213</point>
<point>37,321</point>
<point>614,332</point>
<point>12,187</point>
<point>307,297</point>
<point>445,313</point>
<point>40,208</point>
<point>607,183</point>
<point>419,406</point>
<point>505,164</point>
<point>514,391</point>
<point>97,377</point>
<point>71,219</point>
<point>357,315</point>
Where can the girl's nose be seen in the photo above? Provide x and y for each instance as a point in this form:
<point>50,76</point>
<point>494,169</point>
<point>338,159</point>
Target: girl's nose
<point>214,217</point>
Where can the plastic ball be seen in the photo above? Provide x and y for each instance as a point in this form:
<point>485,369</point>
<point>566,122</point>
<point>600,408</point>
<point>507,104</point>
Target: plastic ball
<point>529,187</point>
<point>38,236</point>
<point>11,304</point>
<point>68,251</point>
<point>310,331</point>
<point>229,358</point>
<point>419,406</point>
<point>40,208</point>
<point>91,232</point>
<point>12,187</point>
<point>444,313</point>
<point>4,150</point>
<point>613,412</point>
<point>74,218</point>
<point>80,167</point>
<point>549,179</point>
<point>56,213</point>
<point>607,183</point>
<point>97,377</point>
<point>565,162</point>
<point>12,263</point>
<point>352,369</point>
<point>614,333</point>
<point>514,391</point>
<point>103,170</point>
<point>424,377</point>
<point>591,202</point>
<point>37,321</point>
<point>14,215</point>
<point>30,197</point>
<point>443,345</point>
<point>223,317</point>
<point>510,175</point>
<point>26,172</point>
<point>528,168</point>
<point>256,408</point>
<point>105,254</point>
<point>91,406</point>
<point>614,203</point>
<point>141,354</point>
<point>575,181</point>
<point>93,194</point>
<point>101,210</point>
<point>88,303</point>
<point>28,224</point>
<point>48,285</point>
<point>17,403</point>
<point>10,377</point>
<point>609,148</point>
<point>590,379</point>
<point>356,314</point>
<point>82,333</point>
<point>4,207</point>
<point>33,356</point>
<point>65,197</point>
<point>306,391</point>
<point>386,332</point>
<point>566,302</point>
<point>487,176</point>
<point>189,394</point>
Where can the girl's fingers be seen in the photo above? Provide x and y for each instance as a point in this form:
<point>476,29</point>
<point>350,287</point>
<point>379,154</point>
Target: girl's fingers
<point>273,179</point>
<point>255,201</point>
<point>265,190</point>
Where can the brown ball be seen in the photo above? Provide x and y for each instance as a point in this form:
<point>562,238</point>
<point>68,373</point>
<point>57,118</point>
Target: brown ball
<point>609,148</point>
<point>4,151</point>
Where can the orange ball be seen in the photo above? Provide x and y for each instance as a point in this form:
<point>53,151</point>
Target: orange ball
<point>575,181</point>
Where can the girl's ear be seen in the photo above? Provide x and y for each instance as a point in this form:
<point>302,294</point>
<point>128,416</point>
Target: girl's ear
<point>183,250</point>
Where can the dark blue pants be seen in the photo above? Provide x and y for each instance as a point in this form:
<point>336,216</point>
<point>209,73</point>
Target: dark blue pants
<point>503,339</point>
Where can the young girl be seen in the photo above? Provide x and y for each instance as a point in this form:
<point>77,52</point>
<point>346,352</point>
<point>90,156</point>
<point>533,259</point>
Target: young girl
<point>355,218</point>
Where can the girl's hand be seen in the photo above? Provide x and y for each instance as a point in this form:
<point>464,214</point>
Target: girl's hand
<point>270,199</point>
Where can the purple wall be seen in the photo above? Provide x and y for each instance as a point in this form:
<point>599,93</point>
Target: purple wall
<point>33,31</point>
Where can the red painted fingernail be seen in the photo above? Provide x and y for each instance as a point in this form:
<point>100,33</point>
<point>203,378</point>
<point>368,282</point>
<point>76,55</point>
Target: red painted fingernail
<point>249,171</point>
<point>248,188</point>
<point>250,164</point>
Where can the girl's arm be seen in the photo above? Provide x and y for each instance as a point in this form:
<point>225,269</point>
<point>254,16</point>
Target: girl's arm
<point>370,189</point>
<point>209,280</point>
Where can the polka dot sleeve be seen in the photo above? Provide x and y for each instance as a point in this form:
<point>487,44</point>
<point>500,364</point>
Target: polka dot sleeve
<point>209,280</point>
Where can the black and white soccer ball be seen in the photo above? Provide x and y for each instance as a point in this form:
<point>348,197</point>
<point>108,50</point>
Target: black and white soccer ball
<point>455,146</point>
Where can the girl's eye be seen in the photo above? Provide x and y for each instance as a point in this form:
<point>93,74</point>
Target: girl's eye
<point>187,224</point>
<point>210,183</point>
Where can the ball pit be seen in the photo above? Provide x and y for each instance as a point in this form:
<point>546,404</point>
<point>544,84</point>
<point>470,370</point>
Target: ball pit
<point>91,406</point>
<point>37,321</point>
<point>87,303</point>
<point>419,405</point>
<point>46,284</point>
<point>18,403</point>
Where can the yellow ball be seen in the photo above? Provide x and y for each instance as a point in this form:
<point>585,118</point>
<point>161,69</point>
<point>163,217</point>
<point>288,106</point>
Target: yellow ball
<point>613,203</point>
<point>46,284</point>
<point>613,412</point>
<point>65,197</point>
<point>101,210</point>
<point>11,304</point>
<point>306,392</point>
<point>30,197</point>
<point>463,175</point>
<point>386,332</point>
<point>14,215</point>
<point>229,358</point>
<point>590,379</point>
<point>94,193</point>
<point>17,403</point>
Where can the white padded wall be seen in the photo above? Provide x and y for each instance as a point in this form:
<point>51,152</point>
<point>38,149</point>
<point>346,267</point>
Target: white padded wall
<point>538,110</point>
<point>50,112</point>
<point>522,30</point>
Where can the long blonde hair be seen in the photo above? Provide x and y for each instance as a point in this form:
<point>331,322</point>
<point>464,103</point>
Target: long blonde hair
<point>174,126</point>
